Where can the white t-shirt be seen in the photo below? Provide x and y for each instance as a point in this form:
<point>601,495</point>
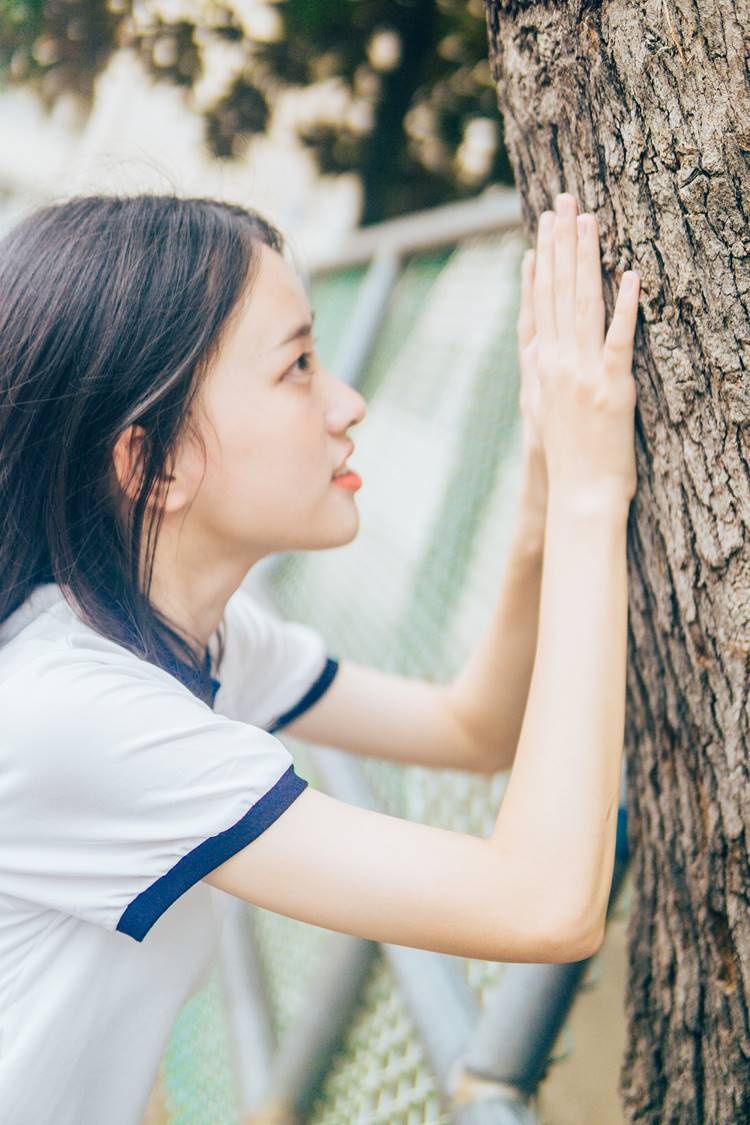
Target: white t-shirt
<point>119,790</point>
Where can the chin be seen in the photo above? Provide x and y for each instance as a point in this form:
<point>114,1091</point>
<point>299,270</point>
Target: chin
<point>338,535</point>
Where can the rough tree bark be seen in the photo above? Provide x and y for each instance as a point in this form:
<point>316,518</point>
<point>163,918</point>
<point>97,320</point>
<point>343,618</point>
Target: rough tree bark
<point>642,111</point>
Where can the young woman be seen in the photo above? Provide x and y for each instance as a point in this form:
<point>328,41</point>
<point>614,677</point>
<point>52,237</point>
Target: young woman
<point>164,424</point>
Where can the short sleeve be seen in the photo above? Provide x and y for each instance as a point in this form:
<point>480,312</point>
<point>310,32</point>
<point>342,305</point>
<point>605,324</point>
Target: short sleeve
<point>121,790</point>
<point>273,669</point>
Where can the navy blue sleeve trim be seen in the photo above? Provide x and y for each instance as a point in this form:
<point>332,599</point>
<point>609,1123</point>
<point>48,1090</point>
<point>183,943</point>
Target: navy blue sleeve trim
<point>138,918</point>
<point>322,683</point>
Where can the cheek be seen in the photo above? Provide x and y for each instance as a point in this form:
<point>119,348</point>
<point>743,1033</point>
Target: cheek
<point>280,463</point>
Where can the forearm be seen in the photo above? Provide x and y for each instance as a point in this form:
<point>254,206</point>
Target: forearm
<point>489,693</point>
<point>559,812</point>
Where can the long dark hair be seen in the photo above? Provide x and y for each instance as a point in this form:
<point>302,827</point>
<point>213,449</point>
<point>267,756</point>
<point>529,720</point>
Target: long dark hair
<point>111,310</point>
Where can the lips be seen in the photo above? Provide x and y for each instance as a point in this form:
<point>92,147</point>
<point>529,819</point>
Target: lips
<point>351,481</point>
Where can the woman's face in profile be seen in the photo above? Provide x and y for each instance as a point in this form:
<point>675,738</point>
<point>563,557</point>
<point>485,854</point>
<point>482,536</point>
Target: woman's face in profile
<point>275,427</point>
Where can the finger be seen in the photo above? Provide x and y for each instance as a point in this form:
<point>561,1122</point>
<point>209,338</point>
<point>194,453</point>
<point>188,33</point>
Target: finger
<point>618,345</point>
<point>589,314</point>
<point>544,281</point>
<point>566,238</point>
<point>526,314</point>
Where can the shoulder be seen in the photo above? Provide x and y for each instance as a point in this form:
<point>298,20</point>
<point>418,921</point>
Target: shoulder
<point>45,646</point>
<point>73,695</point>
<point>97,730</point>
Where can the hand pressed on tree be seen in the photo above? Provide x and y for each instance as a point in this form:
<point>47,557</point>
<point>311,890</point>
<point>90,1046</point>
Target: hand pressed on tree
<point>581,392</point>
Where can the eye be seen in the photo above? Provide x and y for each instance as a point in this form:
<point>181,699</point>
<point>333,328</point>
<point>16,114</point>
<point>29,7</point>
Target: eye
<point>303,365</point>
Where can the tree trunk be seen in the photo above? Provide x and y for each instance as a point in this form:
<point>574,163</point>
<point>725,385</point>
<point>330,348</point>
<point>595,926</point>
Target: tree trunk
<point>642,111</point>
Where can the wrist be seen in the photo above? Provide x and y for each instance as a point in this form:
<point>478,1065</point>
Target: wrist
<point>532,507</point>
<point>596,503</point>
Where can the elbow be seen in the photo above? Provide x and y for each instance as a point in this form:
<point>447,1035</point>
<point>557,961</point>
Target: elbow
<point>557,945</point>
<point>489,760</point>
<point>569,940</point>
<point>479,751</point>
<point>582,939</point>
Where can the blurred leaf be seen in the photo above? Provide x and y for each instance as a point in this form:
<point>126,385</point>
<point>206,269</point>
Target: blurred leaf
<point>241,113</point>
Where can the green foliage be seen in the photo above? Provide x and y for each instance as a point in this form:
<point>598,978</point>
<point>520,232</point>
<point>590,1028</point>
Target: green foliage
<point>408,78</point>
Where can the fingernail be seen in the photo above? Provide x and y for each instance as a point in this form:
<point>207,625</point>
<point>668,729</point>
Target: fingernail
<point>546,222</point>
<point>585,224</point>
<point>629,281</point>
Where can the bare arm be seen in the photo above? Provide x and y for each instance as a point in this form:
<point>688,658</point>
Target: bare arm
<point>488,695</point>
<point>536,888</point>
<point>576,705</point>
<point>392,880</point>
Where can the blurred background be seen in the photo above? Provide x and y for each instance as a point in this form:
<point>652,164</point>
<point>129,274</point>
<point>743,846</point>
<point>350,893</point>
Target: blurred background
<point>330,112</point>
<point>367,130</point>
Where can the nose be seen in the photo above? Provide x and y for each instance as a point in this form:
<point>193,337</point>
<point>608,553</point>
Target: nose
<point>346,406</point>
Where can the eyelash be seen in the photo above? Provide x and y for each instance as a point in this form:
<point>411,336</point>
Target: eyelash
<point>308,357</point>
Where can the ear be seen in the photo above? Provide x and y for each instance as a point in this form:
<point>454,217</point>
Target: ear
<point>126,455</point>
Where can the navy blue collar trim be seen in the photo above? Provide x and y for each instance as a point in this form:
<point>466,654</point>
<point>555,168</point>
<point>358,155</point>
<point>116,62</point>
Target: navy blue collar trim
<point>201,684</point>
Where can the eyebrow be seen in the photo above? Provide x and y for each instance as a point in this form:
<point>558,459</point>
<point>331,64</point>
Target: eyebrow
<point>297,333</point>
